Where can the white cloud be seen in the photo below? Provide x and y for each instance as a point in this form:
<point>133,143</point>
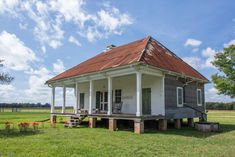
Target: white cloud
<point>37,88</point>
<point>58,67</point>
<point>195,49</point>
<point>6,89</point>
<point>7,6</point>
<point>209,53</point>
<point>231,42</point>
<point>212,95</point>
<point>74,41</point>
<point>23,26</point>
<point>192,42</point>
<point>195,62</point>
<point>15,54</point>
<point>48,17</point>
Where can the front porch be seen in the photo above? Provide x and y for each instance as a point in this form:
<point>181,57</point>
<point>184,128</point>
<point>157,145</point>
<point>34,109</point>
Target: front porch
<point>130,94</point>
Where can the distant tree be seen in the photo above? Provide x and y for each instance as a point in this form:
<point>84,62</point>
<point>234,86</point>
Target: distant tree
<point>4,77</point>
<point>225,80</point>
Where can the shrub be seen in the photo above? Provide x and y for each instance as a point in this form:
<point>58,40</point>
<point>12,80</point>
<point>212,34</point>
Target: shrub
<point>7,126</point>
<point>35,126</point>
<point>23,126</point>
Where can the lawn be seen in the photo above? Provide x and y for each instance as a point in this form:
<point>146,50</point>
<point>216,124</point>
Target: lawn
<point>60,141</point>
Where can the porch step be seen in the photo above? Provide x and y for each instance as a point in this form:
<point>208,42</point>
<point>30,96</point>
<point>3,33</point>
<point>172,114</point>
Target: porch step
<point>75,121</point>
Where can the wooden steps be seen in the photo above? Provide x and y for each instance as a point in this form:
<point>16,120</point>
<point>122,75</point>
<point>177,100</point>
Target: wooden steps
<point>75,121</point>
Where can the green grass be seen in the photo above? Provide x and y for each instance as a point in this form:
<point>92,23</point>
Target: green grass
<point>84,141</point>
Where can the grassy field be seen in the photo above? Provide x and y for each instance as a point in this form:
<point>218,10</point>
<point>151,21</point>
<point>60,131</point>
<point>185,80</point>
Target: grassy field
<point>60,141</point>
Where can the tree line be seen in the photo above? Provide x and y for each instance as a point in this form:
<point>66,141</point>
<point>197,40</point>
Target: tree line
<point>220,106</point>
<point>24,105</point>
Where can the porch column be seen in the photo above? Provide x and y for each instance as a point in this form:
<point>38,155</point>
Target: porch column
<point>77,105</point>
<point>139,93</point>
<point>53,100</point>
<point>64,100</point>
<point>90,97</point>
<point>110,96</point>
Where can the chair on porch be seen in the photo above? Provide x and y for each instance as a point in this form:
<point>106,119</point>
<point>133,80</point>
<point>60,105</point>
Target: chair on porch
<point>117,107</point>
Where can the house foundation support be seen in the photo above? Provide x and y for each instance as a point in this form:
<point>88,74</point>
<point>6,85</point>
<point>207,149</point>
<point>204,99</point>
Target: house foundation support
<point>139,126</point>
<point>190,122</point>
<point>112,124</point>
<point>53,119</point>
<point>162,124</point>
<point>92,122</point>
<point>177,123</point>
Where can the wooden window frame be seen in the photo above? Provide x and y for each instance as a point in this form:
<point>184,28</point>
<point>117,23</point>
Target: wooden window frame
<point>199,103</point>
<point>83,100</point>
<point>120,96</point>
<point>177,96</point>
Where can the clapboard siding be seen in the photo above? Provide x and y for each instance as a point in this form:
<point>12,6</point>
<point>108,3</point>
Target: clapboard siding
<point>190,98</point>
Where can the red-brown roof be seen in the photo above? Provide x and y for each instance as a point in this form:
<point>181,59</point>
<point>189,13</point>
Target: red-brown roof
<point>147,51</point>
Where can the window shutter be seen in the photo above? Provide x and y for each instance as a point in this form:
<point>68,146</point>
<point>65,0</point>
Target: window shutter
<point>98,99</point>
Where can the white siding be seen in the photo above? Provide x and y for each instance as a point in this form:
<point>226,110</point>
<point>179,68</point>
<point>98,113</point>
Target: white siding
<point>128,86</point>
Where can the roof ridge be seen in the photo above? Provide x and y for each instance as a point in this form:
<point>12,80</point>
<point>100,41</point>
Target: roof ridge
<point>144,50</point>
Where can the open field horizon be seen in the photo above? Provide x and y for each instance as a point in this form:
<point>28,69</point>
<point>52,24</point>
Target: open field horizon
<point>83,141</point>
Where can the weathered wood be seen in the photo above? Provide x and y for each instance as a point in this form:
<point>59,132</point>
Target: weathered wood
<point>190,98</point>
<point>139,126</point>
<point>92,122</point>
<point>177,123</point>
<point>112,124</point>
<point>162,124</point>
<point>190,122</point>
<point>53,119</point>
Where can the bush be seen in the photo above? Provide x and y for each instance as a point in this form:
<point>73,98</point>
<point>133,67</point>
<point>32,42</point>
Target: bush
<point>35,126</point>
<point>23,126</point>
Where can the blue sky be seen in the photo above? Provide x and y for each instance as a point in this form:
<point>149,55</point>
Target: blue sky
<point>39,39</point>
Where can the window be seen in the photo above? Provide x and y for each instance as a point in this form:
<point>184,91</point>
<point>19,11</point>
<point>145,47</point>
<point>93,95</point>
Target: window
<point>118,95</point>
<point>179,97</point>
<point>199,97</point>
<point>82,100</point>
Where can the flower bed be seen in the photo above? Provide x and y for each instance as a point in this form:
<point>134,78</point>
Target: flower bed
<point>35,126</point>
<point>8,126</point>
<point>23,126</point>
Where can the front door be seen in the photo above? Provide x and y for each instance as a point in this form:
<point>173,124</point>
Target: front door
<point>146,100</point>
<point>103,101</point>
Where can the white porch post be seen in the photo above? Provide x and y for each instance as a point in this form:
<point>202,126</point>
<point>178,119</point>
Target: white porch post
<point>53,100</point>
<point>163,93</point>
<point>110,96</point>
<point>77,105</point>
<point>90,97</point>
<point>139,93</point>
<point>64,100</point>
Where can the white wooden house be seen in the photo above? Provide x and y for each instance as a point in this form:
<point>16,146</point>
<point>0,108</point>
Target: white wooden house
<point>141,80</point>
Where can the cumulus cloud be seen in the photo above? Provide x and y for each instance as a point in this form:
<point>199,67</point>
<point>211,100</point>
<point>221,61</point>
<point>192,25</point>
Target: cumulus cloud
<point>74,41</point>
<point>212,95</point>
<point>231,42</point>
<point>5,89</point>
<point>58,66</point>
<point>23,26</point>
<point>15,54</point>
<point>37,90</point>
<point>195,62</point>
<point>192,42</point>
<point>48,17</point>
<point>209,53</point>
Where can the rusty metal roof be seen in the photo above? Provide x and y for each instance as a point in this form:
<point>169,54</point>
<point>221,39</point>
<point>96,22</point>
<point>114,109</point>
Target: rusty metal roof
<point>147,51</point>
